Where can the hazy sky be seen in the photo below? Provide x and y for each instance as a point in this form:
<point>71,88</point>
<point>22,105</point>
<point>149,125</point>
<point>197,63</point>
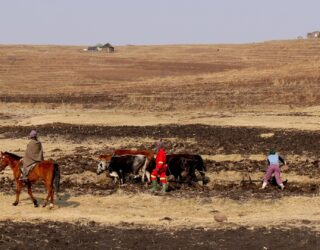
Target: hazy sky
<point>122,22</point>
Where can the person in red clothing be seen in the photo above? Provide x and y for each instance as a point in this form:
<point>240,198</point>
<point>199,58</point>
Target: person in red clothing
<point>161,169</point>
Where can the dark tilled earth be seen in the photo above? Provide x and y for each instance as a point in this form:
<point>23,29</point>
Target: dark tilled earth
<point>89,235</point>
<point>241,190</point>
<point>209,140</point>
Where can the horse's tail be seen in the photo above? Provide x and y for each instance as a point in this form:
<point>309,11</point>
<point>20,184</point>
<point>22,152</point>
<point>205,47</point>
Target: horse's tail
<point>56,178</point>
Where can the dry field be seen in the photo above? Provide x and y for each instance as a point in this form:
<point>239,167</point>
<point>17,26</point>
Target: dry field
<point>229,103</point>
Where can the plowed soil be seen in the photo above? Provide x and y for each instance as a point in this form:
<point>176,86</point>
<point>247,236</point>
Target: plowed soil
<point>209,140</point>
<point>90,235</point>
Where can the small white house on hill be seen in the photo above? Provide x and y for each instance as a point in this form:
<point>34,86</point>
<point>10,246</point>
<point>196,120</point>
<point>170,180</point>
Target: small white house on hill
<point>315,34</point>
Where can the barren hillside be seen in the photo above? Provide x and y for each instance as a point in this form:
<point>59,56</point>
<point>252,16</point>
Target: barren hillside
<point>181,77</point>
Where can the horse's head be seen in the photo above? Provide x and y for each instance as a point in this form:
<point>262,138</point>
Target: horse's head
<point>9,159</point>
<point>104,162</point>
<point>4,161</point>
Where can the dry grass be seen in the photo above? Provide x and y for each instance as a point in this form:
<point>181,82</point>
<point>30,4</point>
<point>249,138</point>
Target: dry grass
<point>227,177</point>
<point>27,114</point>
<point>144,209</point>
<point>205,77</point>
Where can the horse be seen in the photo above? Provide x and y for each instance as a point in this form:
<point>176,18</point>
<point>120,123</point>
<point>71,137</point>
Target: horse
<point>47,171</point>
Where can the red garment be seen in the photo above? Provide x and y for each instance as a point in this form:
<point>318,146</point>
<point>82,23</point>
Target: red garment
<point>161,167</point>
<point>161,159</point>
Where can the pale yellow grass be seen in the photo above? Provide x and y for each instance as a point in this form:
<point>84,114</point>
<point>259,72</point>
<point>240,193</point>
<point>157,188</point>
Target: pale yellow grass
<point>267,135</point>
<point>233,157</point>
<point>253,157</point>
<point>151,210</point>
<point>231,176</point>
<point>181,77</point>
<point>34,115</point>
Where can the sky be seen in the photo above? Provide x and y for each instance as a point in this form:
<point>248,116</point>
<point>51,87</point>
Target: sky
<point>153,22</point>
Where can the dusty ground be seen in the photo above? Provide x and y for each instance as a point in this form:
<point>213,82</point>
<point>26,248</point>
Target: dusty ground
<point>229,103</point>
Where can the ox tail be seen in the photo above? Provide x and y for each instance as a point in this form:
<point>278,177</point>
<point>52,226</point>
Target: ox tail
<point>56,178</point>
<point>151,165</point>
<point>201,168</point>
<point>149,168</point>
<point>200,165</point>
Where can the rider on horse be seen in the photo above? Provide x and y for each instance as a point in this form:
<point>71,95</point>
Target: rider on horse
<point>33,154</point>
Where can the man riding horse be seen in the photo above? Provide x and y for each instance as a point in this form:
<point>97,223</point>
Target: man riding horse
<point>33,154</point>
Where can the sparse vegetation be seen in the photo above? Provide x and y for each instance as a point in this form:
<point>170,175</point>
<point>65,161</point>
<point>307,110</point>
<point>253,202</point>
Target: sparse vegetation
<point>228,103</point>
<point>194,77</point>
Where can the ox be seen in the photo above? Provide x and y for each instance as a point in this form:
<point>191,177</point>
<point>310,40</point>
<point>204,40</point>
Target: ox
<point>147,153</point>
<point>119,166</point>
<point>183,167</point>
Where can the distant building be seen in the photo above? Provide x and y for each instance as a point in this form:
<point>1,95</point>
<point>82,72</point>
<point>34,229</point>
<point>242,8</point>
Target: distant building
<point>315,34</point>
<point>108,47</point>
<point>93,48</point>
<point>99,47</point>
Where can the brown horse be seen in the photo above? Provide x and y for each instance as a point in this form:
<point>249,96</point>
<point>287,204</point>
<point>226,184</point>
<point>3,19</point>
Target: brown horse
<point>47,171</point>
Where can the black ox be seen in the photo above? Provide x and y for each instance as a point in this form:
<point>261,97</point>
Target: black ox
<point>183,167</point>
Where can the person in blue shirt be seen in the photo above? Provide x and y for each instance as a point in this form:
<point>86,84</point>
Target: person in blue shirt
<point>274,161</point>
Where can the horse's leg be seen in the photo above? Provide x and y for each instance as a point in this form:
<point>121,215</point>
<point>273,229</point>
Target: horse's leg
<point>52,198</point>
<point>18,191</point>
<point>50,193</point>
<point>35,202</point>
